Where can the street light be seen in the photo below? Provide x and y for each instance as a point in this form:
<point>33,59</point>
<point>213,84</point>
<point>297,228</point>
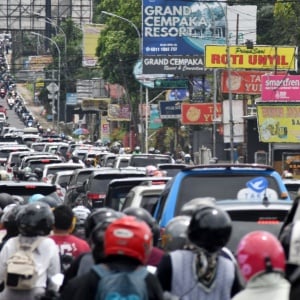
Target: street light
<point>50,21</point>
<point>59,68</point>
<point>140,56</point>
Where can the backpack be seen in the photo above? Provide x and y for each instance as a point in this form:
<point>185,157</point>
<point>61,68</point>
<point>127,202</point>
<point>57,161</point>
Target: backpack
<point>121,285</point>
<point>21,271</point>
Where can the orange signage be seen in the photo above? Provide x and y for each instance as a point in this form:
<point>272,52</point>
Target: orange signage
<point>260,57</point>
<point>199,113</point>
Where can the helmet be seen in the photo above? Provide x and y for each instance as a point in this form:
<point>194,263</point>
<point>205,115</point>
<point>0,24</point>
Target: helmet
<point>5,199</point>
<point>150,170</point>
<point>52,202</point>
<point>260,252</point>
<point>143,215</point>
<point>9,217</point>
<point>130,237</point>
<point>208,222</point>
<point>4,175</point>
<point>174,236</point>
<point>38,172</point>
<point>96,216</point>
<point>35,197</point>
<point>151,150</point>
<point>97,237</point>
<point>81,213</point>
<point>35,219</point>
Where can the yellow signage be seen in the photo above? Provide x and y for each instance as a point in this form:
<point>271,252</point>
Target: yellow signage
<point>91,34</point>
<point>278,123</point>
<point>260,57</point>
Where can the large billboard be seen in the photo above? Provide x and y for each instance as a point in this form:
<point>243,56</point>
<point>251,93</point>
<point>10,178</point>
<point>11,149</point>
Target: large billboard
<point>260,57</point>
<point>278,123</point>
<point>91,34</point>
<point>175,32</point>
<point>280,88</point>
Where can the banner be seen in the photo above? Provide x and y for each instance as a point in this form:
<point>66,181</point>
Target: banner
<point>280,88</point>
<point>260,57</point>
<point>94,104</point>
<point>242,82</point>
<point>170,109</point>
<point>278,123</point>
<point>155,120</point>
<point>199,113</point>
<point>118,112</point>
<point>105,130</point>
<point>175,32</point>
<point>91,34</point>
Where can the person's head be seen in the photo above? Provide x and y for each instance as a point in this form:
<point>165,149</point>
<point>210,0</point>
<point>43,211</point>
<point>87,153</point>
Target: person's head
<point>64,219</point>
<point>130,237</point>
<point>35,219</point>
<point>81,214</point>
<point>5,199</point>
<point>4,175</point>
<point>260,252</point>
<point>143,215</point>
<point>9,219</point>
<point>35,197</point>
<point>191,206</point>
<point>95,217</point>
<point>97,237</point>
<point>208,222</point>
<point>175,234</point>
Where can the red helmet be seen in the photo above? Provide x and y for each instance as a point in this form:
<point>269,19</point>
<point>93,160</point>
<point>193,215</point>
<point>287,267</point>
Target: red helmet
<point>128,236</point>
<point>259,252</point>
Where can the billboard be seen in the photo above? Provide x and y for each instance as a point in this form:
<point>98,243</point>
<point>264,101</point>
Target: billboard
<point>91,33</point>
<point>280,88</point>
<point>175,32</point>
<point>118,112</point>
<point>242,82</point>
<point>260,57</point>
<point>278,123</point>
<point>199,113</point>
<point>170,109</point>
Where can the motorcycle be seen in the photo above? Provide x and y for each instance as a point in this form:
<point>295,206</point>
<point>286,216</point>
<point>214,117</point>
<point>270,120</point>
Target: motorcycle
<point>2,92</point>
<point>11,102</point>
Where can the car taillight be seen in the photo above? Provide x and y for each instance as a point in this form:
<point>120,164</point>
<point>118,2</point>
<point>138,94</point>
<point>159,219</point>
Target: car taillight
<point>94,196</point>
<point>264,221</point>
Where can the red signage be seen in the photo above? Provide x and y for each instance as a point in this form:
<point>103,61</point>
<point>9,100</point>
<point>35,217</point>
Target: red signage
<point>243,82</point>
<point>199,113</point>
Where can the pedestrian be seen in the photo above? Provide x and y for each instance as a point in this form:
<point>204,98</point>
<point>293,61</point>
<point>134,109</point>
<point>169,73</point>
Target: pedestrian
<point>35,222</point>
<point>127,245</point>
<point>261,260</point>
<point>200,271</point>
<point>70,246</point>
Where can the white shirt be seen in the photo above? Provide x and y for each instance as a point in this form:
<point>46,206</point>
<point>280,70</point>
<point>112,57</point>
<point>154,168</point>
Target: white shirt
<point>46,257</point>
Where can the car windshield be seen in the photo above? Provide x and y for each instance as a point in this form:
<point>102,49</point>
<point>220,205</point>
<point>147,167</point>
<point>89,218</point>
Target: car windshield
<point>220,187</point>
<point>143,161</point>
<point>149,202</point>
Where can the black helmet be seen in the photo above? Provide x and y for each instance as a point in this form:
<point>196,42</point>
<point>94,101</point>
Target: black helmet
<point>143,215</point>
<point>97,216</point>
<point>5,199</point>
<point>210,228</point>
<point>9,217</point>
<point>97,236</point>
<point>38,172</point>
<point>174,236</point>
<point>35,219</point>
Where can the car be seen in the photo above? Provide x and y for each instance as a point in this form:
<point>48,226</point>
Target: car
<point>5,150</point>
<point>12,159</point>
<point>293,187</point>
<point>22,190</point>
<point>146,159</point>
<point>144,195</point>
<point>95,187</point>
<point>51,169</point>
<point>61,179</point>
<point>121,161</point>
<point>118,189</point>
<point>220,181</point>
<point>76,181</point>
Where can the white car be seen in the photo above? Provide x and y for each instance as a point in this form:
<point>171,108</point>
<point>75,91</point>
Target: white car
<point>51,169</point>
<point>145,196</point>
